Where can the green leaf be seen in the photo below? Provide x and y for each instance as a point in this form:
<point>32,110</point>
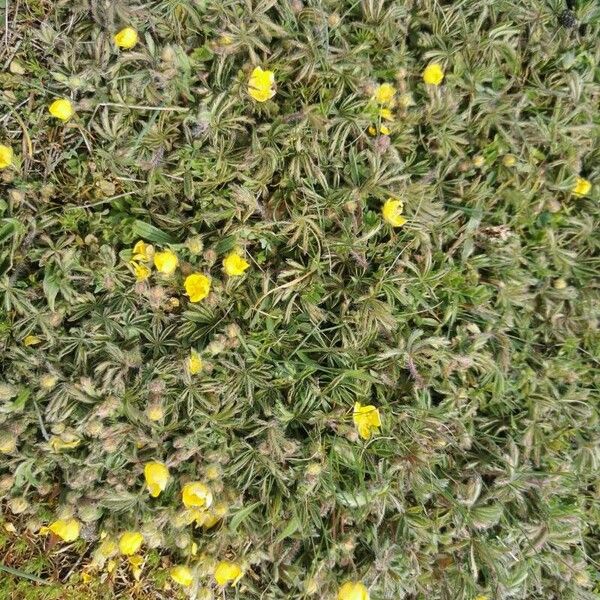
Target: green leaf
<point>151,233</point>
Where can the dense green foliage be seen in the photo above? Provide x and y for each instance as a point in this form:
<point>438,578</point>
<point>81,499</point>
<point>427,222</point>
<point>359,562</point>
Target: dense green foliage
<point>472,328</point>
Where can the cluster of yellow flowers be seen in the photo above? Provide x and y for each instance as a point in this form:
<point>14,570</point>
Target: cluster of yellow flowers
<point>197,285</point>
<point>197,499</point>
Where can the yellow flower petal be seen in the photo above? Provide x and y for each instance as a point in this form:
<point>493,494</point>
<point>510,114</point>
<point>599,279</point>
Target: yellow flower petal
<point>196,494</point>
<point>157,476</point>
<point>433,74</point>
<point>166,262</point>
<point>108,548</point>
<point>582,187</point>
<point>6,156</point>
<point>61,109</point>
<point>59,443</point>
<point>392,212</point>
<point>384,94</point>
<point>66,529</point>
<point>182,575</point>
<point>234,265</point>
<point>197,286</point>
<point>194,363</point>
<point>142,251</point>
<point>141,272</point>
<point>386,113</point>
<point>130,542</point>
<point>126,38</point>
<point>31,340</point>
<point>227,572</point>
<point>353,590</point>
<point>366,419</point>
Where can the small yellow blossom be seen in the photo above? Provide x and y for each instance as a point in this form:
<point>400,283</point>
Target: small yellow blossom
<point>433,74</point>
<point>136,562</point>
<point>260,85</point>
<point>66,529</point>
<point>8,443</point>
<point>141,272</point>
<point>31,340</point>
<point>48,381</point>
<point>234,265</point>
<point>366,419</point>
<point>111,565</point>
<point>130,542</point>
<point>582,187</point>
<point>86,577</point>
<point>194,363</point>
<point>196,494</point>
<point>478,161</point>
<point>166,262</point>
<point>142,251</point>
<point>353,590</point>
<point>227,572</point>
<point>63,443</point>
<point>6,156</point>
<point>126,38</point>
<point>386,114</point>
<point>384,94</point>
<point>61,109</point>
<point>509,160</point>
<point>197,286</point>
<point>182,575</point>
<point>155,412</point>
<point>157,476</point>
<point>392,212</point>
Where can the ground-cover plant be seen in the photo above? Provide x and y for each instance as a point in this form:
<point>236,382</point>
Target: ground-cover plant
<point>298,299</point>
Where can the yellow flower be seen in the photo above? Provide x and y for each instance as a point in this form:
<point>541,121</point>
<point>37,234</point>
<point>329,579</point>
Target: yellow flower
<point>366,419</point>
<point>433,74</point>
<point>194,363</point>
<point>182,575</point>
<point>227,572</point>
<point>141,272</point>
<point>136,563</point>
<point>478,161</point>
<point>392,212</point>
<point>166,262</point>
<point>582,187</point>
<point>142,251</point>
<point>196,493</point>
<point>126,38</point>
<point>509,160</point>
<point>8,443</point>
<point>386,113</point>
<point>66,529</point>
<point>197,286</point>
<point>157,476</point>
<point>59,443</point>
<point>234,265</point>
<point>384,94</point>
<point>155,412</point>
<point>31,340</point>
<point>111,565</point>
<point>353,590</point>
<point>130,542</point>
<point>6,156</point>
<point>260,85</point>
<point>61,109</point>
